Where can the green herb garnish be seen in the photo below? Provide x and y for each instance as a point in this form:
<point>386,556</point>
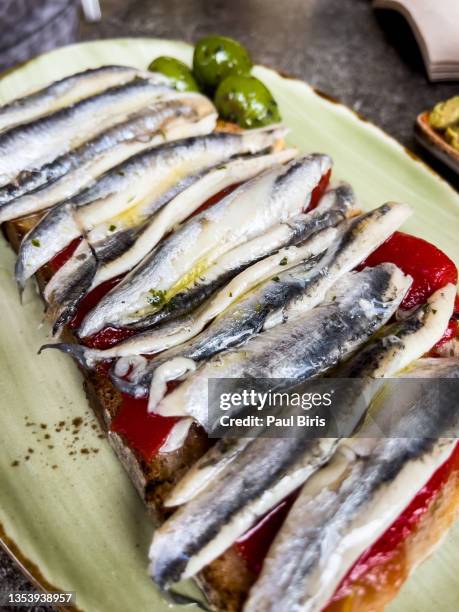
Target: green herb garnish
<point>156,297</point>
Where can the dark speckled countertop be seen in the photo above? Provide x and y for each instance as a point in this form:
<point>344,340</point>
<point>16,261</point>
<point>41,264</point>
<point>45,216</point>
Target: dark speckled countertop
<point>366,59</point>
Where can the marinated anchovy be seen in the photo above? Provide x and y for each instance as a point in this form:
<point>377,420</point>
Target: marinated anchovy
<point>239,322</point>
<point>217,179</point>
<point>249,211</point>
<point>126,196</point>
<point>360,493</point>
<point>198,532</point>
<point>333,208</point>
<point>64,92</point>
<point>357,241</point>
<point>364,235</point>
<point>391,350</point>
<point>206,469</point>
<point>406,340</point>
<point>29,146</point>
<point>179,117</point>
<point>120,251</point>
<point>304,347</point>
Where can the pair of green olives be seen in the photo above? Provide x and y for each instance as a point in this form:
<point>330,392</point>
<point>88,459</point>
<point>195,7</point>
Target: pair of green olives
<point>221,68</point>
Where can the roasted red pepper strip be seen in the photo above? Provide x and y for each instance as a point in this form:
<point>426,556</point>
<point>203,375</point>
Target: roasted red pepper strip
<point>319,190</point>
<point>109,336</point>
<point>430,268</point>
<point>144,431</point>
<point>254,544</point>
<point>63,256</point>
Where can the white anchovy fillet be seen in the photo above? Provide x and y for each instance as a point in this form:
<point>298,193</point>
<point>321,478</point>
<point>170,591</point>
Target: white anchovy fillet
<point>333,208</point>
<point>382,357</point>
<point>180,116</point>
<point>393,349</point>
<point>206,469</point>
<point>366,233</point>
<point>138,382</point>
<point>185,204</point>
<point>65,290</point>
<point>177,436</point>
<point>249,211</point>
<point>190,157</point>
<point>240,321</point>
<point>360,493</point>
<point>244,318</point>
<point>304,347</point>
<point>130,193</point>
<point>406,340</point>
<point>29,146</point>
<point>359,239</point>
<point>64,92</point>
<point>208,524</point>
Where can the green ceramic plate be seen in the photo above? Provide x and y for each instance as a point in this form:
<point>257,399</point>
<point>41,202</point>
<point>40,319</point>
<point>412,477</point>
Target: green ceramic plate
<point>68,510</point>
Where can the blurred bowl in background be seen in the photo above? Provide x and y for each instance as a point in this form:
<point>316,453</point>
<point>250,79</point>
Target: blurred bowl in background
<point>30,27</point>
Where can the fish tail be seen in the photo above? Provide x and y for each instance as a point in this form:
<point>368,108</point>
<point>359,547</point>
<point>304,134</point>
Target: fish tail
<point>77,351</point>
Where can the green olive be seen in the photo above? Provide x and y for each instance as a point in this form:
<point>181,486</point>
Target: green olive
<point>216,57</point>
<point>246,101</point>
<point>181,76</point>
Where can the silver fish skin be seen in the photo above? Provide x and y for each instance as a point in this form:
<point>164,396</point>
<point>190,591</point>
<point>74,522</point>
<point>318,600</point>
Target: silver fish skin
<point>236,170</point>
<point>335,206</point>
<point>364,234</point>
<point>122,250</point>
<point>131,192</point>
<point>64,92</point>
<point>405,341</point>
<point>206,469</point>
<point>242,320</point>
<point>81,268</point>
<point>208,524</point>
<point>357,241</point>
<point>31,145</point>
<point>361,491</point>
<point>356,307</point>
<point>177,117</point>
<point>51,234</point>
<point>392,350</point>
<point>247,212</point>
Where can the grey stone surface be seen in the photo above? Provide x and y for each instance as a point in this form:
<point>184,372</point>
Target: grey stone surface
<point>368,60</point>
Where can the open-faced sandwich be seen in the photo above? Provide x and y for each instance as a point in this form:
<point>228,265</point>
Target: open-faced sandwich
<point>174,245</point>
